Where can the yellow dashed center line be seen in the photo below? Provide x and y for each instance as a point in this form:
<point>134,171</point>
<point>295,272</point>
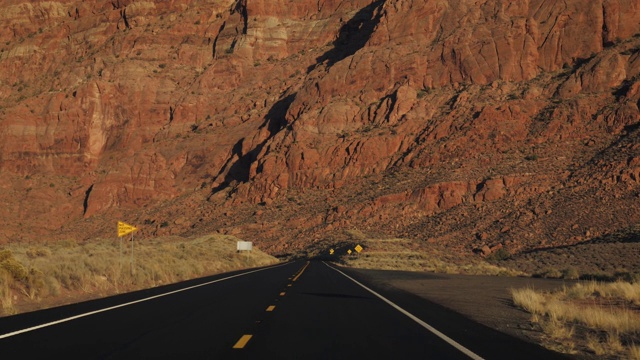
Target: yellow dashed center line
<point>245,338</point>
<point>301,271</point>
<point>242,342</point>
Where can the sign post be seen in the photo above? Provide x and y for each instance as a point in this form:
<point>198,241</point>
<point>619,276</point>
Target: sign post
<point>125,229</point>
<point>120,258</point>
<point>131,261</point>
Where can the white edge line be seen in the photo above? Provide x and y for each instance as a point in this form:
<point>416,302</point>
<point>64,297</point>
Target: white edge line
<point>17,332</point>
<point>444,337</point>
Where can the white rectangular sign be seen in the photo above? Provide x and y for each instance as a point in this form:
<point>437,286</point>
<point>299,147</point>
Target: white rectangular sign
<point>245,245</point>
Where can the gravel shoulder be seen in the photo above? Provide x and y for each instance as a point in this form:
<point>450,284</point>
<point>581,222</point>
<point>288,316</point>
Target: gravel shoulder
<point>485,299</point>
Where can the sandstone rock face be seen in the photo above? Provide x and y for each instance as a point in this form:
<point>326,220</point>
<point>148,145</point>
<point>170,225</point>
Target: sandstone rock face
<point>484,45</point>
<point>436,120</point>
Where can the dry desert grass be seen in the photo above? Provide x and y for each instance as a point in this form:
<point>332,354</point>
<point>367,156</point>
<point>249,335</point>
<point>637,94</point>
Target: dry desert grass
<point>405,254</point>
<point>592,317</point>
<point>32,277</point>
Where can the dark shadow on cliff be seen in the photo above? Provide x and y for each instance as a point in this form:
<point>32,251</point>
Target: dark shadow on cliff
<point>353,35</point>
<point>627,138</point>
<point>239,170</point>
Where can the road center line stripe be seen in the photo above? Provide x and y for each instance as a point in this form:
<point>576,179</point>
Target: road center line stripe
<point>442,336</point>
<point>17,332</point>
<point>301,271</point>
<point>271,307</point>
<point>242,342</point>
<point>282,293</point>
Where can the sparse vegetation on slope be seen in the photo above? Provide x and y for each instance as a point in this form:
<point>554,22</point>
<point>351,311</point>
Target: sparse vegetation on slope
<point>33,277</point>
<point>591,317</point>
<point>409,255</point>
<point>609,257</point>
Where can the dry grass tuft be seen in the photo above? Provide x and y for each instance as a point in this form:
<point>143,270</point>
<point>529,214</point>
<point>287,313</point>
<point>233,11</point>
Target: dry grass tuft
<point>403,254</point>
<point>634,352</point>
<point>594,344</point>
<point>560,334</point>
<point>616,320</point>
<point>617,290</point>
<point>103,267</point>
<point>530,300</point>
<point>601,310</point>
<point>6,296</point>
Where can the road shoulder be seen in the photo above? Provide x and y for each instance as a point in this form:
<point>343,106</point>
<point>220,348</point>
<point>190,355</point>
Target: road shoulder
<point>484,299</point>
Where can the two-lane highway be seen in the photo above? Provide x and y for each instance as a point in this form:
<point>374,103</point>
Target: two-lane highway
<point>325,315</point>
<point>298,310</point>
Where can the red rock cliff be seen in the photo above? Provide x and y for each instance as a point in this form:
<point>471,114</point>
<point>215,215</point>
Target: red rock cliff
<point>434,119</point>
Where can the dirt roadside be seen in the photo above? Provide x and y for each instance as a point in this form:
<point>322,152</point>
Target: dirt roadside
<point>485,299</point>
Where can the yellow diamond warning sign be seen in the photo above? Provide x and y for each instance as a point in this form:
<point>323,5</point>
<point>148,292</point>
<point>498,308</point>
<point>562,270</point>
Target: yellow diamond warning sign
<point>124,229</point>
<point>359,248</point>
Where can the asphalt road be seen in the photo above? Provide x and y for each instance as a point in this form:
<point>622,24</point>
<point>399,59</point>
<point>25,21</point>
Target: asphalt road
<point>298,310</point>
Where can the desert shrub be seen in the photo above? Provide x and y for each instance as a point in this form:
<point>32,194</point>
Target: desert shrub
<point>66,244</point>
<point>52,285</point>
<point>14,268</point>
<point>597,277</point>
<point>355,234</point>
<point>28,281</point>
<point>69,275</point>
<point>631,277</point>
<point>550,273</point>
<point>37,252</point>
<point>499,255</point>
<point>571,273</point>
<point>5,254</point>
<point>35,285</point>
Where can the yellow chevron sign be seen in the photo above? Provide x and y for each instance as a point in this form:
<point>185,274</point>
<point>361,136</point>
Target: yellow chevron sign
<point>124,229</point>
